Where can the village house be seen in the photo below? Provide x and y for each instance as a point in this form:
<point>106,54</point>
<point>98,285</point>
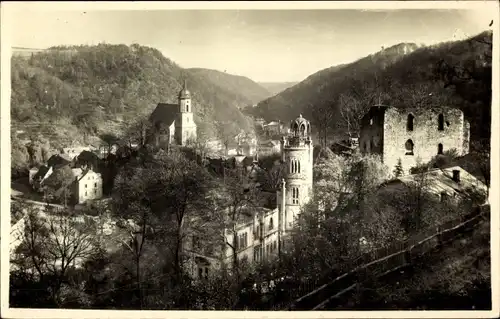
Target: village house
<point>87,186</point>
<point>273,128</point>
<point>257,241</point>
<point>269,147</point>
<point>413,135</point>
<point>72,152</point>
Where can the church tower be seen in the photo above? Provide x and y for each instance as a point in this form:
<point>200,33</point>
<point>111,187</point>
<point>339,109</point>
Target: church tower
<point>296,187</point>
<point>185,127</point>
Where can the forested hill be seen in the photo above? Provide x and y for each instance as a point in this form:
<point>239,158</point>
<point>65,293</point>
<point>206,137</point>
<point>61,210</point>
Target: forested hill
<point>65,93</point>
<point>276,87</point>
<point>245,91</point>
<point>406,75</point>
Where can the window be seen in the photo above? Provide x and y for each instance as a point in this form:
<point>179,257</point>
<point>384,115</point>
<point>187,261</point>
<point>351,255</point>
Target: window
<point>200,272</point>
<point>206,272</point>
<point>256,253</point>
<point>95,184</point>
<point>409,122</point>
<point>85,185</point>
<point>95,191</point>
<point>371,121</point>
<point>257,231</point>
<point>243,241</point>
<point>441,122</point>
<point>85,193</point>
<point>271,223</point>
<point>409,147</point>
<point>440,148</point>
<point>295,195</point>
<point>294,166</point>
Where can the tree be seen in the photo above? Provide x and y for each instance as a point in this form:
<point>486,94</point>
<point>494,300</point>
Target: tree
<point>271,172</point>
<point>323,116</point>
<point>58,184</point>
<point>52,244</point>
<point>227,133</point>
<point>161,195</point>
<point>398,170</point>
<point>238,202</point>
<point>19,156</point>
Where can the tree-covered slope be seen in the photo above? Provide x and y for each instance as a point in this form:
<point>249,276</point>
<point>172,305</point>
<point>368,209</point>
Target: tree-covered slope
<point>276,87</point>
<point>67,93</point>
<point>243,90</point>
<point>452,73</point>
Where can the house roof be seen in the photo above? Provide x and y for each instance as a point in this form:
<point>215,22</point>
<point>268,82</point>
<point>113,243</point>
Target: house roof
<point>272,123</point>
<point>76,172</point>
<point>58,160</point>
<point>41,171</point>
<point>270,143</point>
<point>164,113</point>
<point>441,180</point>
<point>87,156</point>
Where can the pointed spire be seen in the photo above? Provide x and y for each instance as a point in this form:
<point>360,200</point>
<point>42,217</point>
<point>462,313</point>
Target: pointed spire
<point>185,84</point>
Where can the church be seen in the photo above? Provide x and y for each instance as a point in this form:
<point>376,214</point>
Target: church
<point>174,123</point>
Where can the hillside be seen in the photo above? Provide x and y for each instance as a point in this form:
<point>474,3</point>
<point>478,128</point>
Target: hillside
<point>244,91</point>
<point>405,75</point>
<point>276,87</point>
<point>66,95</point>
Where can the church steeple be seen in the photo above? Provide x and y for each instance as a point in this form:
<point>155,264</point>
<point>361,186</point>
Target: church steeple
<point>184,93</point>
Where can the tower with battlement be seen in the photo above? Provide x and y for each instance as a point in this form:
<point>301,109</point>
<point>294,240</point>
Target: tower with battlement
<point>296,188</point>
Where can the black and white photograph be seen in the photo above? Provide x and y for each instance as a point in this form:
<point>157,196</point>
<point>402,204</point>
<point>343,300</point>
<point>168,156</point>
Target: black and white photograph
<point>328,157</point>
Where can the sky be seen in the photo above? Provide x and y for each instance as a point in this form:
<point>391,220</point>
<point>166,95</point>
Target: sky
<point>264,45</point>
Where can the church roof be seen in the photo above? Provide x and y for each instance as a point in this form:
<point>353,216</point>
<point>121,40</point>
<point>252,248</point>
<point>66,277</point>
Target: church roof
<point>164,113</point>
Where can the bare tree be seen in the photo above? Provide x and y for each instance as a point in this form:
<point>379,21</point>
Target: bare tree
<point>52,243</point>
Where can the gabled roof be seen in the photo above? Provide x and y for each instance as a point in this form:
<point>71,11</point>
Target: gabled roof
<point>41,172</point>
<point>164,113</point>
<point>441,180</point>
<point>270,143</point>
<point>58,160</point>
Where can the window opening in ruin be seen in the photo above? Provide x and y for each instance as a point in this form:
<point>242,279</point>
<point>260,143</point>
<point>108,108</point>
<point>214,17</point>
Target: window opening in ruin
<point>409,122</point>
<point>440,148</point>
<point>441,122</point>
<point>371,121</point>
<point>271,226</point>
<point>409,147</point>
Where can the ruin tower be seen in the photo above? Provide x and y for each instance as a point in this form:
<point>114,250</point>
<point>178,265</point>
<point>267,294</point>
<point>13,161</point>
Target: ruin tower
<point>297,155</point>
<point>185,127</point>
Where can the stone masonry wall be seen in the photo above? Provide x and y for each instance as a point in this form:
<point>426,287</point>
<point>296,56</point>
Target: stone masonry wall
<point>425,135</point>
<point>302,180</point>
<point>371,135</point>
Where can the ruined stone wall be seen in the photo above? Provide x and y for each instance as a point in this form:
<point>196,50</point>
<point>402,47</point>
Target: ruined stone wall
<point>425,135</point>
<point>371,137</point>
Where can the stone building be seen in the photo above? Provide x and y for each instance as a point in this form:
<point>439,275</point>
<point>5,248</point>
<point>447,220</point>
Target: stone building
<point>174,122</point>
<point>260,231</point>
<point>297,154</point>
<point>413,135</point>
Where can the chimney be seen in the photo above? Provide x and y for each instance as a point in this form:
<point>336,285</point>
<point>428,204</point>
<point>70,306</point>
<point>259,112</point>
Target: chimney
<point>456,175</point>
